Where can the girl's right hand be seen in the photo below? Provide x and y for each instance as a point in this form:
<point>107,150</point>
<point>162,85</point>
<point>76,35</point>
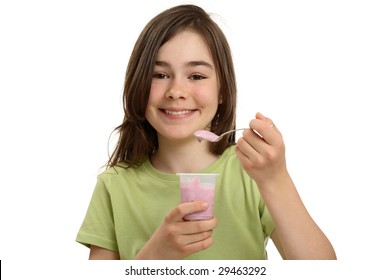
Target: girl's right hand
<point>176,238</point>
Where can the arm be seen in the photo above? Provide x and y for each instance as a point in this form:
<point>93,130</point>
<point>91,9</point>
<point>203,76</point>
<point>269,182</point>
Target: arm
<point>296,232</point>
<point>276,240</point>
<point>263,158</point>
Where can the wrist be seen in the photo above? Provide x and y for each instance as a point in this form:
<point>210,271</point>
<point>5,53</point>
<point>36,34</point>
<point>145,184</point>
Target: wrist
<point>273,185</point>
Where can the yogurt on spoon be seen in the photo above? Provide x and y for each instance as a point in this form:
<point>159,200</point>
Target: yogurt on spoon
<point>212,137</point>
<point>206,135</point>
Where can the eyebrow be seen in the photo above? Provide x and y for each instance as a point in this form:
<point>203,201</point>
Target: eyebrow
<point>188,64</point>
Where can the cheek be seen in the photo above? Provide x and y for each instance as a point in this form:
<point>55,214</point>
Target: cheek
<point>153,93</point>
<point>208,104</point>
<point>151,104</point>
<point>207,95</point>
<point>210,100</point>
<point>154,96</point>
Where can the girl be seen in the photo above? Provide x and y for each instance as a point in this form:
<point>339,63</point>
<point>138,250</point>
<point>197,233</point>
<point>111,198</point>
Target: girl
<point>180,78</point>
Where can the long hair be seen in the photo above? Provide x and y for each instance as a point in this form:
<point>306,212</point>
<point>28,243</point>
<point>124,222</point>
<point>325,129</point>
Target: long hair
<point>137,138</point>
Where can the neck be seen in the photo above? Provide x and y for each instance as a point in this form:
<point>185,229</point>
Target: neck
<point>188,157</point>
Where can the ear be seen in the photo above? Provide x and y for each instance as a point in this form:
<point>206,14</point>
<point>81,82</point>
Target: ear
<point>220,100</point>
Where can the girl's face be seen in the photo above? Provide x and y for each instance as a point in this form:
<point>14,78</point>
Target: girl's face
<point>184,91</point>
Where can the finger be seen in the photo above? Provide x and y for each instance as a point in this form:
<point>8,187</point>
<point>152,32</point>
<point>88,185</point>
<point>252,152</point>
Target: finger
<point>255,140</point>
<point>265,128</point>
<point>196,237</point>
<point>260,116</point>
<point>198,246</point>
<point>247,151</point>
<point>192,227</point>
<point>244,160</point>
<point>177,214</point>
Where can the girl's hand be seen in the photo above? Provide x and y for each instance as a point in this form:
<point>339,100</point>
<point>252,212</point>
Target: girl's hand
<point>176,238</point>
<point>261,152</point>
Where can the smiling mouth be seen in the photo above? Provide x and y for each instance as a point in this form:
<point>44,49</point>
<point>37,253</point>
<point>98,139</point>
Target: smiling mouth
<point>177,113</point>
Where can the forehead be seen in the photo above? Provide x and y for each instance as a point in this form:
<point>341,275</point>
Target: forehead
<point>187,44</point>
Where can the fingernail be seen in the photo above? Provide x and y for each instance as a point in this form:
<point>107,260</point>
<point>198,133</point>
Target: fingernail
<point>205,205</point>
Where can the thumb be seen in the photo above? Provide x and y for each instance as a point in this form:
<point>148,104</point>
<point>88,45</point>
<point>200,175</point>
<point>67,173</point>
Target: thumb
<point>260,116</point>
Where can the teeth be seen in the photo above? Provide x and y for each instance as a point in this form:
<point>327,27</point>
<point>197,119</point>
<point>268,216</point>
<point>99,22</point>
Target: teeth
<point>177,112</point>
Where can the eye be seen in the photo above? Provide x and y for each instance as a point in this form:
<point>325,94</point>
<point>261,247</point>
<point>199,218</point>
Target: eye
<point>197,77</point>
<point>160,76</point>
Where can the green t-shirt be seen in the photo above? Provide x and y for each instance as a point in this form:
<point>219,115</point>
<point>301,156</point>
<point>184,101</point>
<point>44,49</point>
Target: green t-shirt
<point>128,205</point>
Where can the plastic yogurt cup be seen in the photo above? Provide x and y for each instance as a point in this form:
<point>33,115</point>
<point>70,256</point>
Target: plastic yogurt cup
<point>198,187</point>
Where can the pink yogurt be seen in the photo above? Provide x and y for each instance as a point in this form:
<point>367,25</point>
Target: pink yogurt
<point>195,190</point>
<point>206,135</point>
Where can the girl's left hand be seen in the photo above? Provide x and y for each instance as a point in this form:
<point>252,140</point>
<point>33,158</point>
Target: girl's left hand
<point>261,152</point>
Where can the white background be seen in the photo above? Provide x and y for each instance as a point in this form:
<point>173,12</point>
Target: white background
<point>319,69</point>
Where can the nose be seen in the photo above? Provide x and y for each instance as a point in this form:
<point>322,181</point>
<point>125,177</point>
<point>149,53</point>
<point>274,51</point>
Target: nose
<point>176,90</point>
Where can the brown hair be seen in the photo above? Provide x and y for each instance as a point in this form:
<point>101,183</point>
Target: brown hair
<point>137,138</point>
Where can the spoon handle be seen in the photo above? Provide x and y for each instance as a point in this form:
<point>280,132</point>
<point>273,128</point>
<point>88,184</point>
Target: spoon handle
<point>230,131</point>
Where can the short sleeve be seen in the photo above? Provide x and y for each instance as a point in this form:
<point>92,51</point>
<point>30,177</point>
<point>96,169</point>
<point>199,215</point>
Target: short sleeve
<point>98,227</point>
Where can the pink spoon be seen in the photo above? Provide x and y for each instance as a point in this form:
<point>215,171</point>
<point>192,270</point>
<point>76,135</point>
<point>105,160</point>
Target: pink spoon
<point>212,137</point>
